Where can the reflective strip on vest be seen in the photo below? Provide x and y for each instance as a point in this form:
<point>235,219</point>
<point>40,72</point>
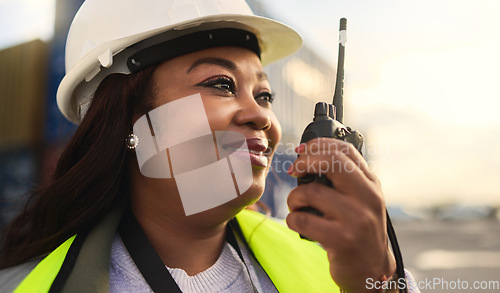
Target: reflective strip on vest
<point>280,251</point>
<point>43,275</point>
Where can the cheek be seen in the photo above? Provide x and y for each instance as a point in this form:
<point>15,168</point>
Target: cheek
<point>219,115</point>
<point>275,131</point>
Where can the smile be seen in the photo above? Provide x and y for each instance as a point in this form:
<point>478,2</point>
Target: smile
<point>233,149</point>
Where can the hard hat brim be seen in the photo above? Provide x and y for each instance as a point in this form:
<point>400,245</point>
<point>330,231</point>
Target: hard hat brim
<point>277,41</point>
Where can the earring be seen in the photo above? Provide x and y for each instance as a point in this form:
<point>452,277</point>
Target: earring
<point>132,141</point>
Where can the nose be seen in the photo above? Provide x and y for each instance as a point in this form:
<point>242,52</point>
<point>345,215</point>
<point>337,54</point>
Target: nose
<point>253,114</point>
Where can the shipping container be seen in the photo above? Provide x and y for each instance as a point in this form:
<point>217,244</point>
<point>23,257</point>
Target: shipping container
<point>23,79</point>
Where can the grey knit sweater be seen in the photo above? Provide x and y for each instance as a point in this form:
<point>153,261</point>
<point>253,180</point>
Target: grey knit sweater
<point>227,275</point>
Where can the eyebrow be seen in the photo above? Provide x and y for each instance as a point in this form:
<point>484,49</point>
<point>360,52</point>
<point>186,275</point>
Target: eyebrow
<point>213,60</point>
<point>261,75</point>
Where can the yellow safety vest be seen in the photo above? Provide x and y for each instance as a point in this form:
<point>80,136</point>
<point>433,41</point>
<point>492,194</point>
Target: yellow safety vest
<point>292,264</point>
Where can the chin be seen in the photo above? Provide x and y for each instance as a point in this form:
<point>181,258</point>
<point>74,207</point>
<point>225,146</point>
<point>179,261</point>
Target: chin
<point>250,196</point>
<point>232,208</point>
<point>245,199</point>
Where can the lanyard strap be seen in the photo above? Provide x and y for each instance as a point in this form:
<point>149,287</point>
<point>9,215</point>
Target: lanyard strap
<point>149,262</point>
<point>145,256</point>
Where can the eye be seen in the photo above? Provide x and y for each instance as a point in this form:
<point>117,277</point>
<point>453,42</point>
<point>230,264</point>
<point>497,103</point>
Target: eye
<point>266,97</point>
<point>222,83</point>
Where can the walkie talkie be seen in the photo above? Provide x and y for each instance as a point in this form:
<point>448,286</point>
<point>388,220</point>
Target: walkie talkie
<point>328,119</point>
<point>327,122</point>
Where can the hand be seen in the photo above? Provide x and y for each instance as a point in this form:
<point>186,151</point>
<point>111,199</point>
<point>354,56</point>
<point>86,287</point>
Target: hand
<point>353,227</point>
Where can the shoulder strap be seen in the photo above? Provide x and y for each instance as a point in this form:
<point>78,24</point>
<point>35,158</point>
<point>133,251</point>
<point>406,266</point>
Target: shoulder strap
<point>66,268</point>
<point>293,264</point>
<point>42,277</point>
<point>144,255</point>
<point>149,262</point>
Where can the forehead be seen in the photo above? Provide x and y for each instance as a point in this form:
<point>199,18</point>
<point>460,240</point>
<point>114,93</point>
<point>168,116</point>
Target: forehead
<point>236,59</point>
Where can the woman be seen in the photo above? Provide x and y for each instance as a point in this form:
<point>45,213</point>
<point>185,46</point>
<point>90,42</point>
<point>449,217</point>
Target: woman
<point>133,220</point>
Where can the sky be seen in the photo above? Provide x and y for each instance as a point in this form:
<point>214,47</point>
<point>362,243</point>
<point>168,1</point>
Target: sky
<point>421,83</point>
<point>24,20</point>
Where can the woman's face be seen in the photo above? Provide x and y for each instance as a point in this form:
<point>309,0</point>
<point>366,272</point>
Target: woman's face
<point>236,96</point>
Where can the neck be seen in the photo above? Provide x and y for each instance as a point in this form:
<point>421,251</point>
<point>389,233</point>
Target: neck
<point>179,243</point>
<point>192,243</point>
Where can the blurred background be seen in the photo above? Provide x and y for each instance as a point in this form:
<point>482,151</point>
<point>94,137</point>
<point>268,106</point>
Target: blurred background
<point>421,84</point>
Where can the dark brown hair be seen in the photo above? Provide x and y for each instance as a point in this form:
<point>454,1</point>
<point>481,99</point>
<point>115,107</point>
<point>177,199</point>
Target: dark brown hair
<point>91,176</point>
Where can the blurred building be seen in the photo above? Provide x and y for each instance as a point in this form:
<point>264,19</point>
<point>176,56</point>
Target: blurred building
<point>32,131</point>
<point>23,86</point>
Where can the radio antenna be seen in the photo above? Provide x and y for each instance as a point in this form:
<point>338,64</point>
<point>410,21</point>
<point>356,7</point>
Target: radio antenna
<point>338,97</point>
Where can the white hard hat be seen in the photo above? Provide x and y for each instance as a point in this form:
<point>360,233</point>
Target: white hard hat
<point>105,33</point>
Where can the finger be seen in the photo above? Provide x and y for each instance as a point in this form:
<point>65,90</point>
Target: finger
<point>345,175</point>
<point>330,202</point>
<point>341,170</point>
<point>322,145</point>
<point>313,227</point>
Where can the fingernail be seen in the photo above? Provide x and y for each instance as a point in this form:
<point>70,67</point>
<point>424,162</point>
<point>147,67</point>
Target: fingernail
<point>289,171</point>
<point>300,148</point>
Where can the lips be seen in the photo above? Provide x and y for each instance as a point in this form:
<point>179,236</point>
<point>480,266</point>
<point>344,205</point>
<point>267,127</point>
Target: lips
<point>257,149</point>
<point>257,145</point>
